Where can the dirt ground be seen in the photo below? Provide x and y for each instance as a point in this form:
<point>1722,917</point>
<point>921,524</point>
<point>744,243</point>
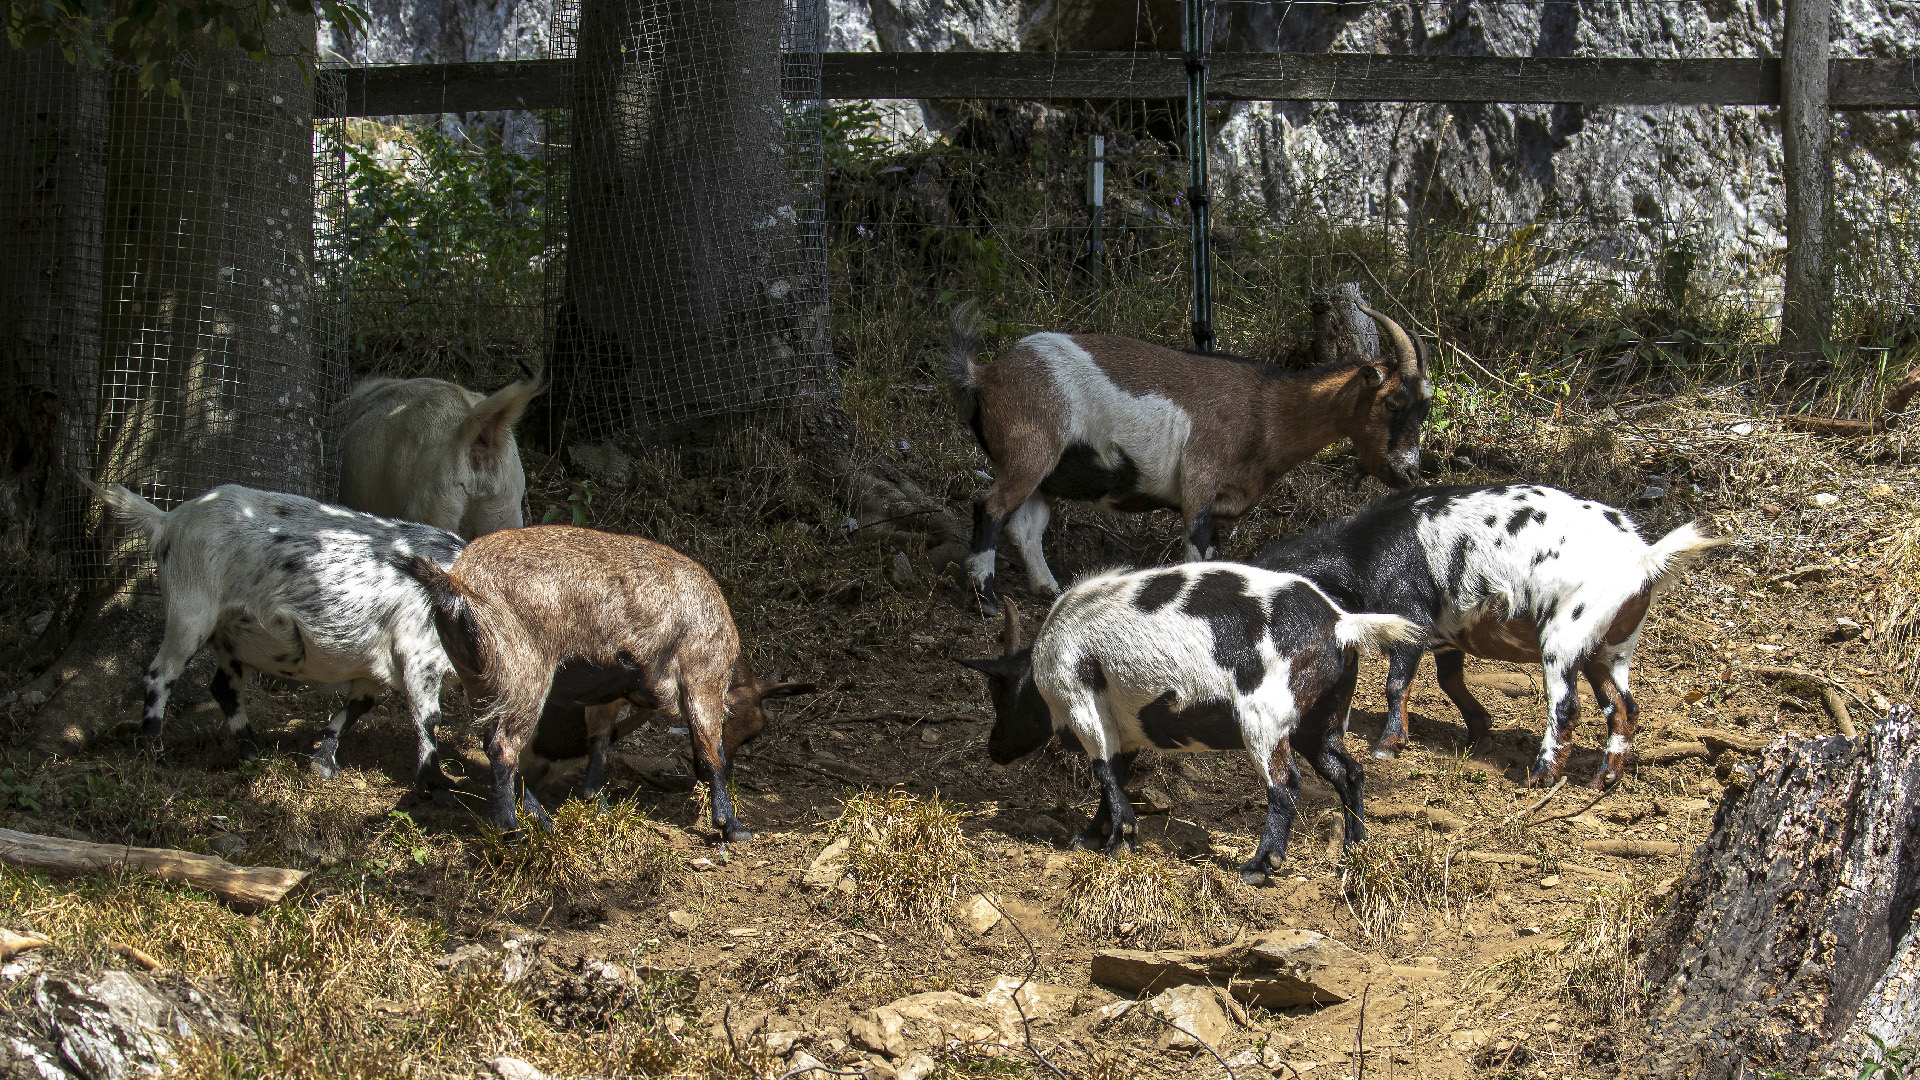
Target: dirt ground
<point>1502,935</point>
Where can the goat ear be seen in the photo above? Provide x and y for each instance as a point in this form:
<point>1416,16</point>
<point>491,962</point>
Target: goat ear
<point>1373,375</point>
<point>787,689</point>
<point>489,426</point>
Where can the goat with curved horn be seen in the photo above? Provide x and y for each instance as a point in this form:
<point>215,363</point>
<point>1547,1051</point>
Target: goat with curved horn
<point>1412,362</point>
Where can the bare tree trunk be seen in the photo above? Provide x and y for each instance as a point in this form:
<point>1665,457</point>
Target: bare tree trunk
<point>691,293</point>
<point>1792,937</point>
<point>53,141</point>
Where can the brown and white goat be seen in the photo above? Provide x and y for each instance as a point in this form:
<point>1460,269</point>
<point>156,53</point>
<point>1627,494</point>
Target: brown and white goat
<point>558,620</point>
<point>1133,427</point>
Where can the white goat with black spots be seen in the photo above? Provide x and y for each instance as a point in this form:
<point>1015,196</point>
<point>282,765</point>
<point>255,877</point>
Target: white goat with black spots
<point>1514,572</point>
<point>299,590</point>
<point>1204,656</point>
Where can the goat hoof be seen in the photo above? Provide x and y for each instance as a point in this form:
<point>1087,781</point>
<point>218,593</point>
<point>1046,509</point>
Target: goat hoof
<point>1539,776</point>
<point>1250,875</point>
<point>1483,746</point>
<point>1383,753</point>
<point>735,833</point>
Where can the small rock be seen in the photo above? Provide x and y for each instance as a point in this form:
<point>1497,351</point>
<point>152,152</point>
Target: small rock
<point>1528,931</point>
<point>1845,629</point>
<point>1046,827</point>
<point>803,1062</point>
<point>1551,881</point>
<point>915,1067</point>
<point>902,569</point>
<point>1195,1011</point>
<point>1881,491</point>
<point>1111,1011</point>
<point>1741,429</point>
<point>1824,499</point>
<point>829,867</point>
<point>1769,511</point>
<point>228,845</point>
<point>780,1042</point>
<point>512,1068</point>
<point>978,914</point>
<point>1274,970</point>
<point>603,463</point>
<point>1653,493</point>
<point>1148,799</point>
<point>682,919</point>
<point>1057,863</point>
<point>1461,462</point>
<point>929,737</point>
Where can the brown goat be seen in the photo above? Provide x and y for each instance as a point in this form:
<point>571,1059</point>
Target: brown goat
<point>1134,427</point>
<point>569,622</point>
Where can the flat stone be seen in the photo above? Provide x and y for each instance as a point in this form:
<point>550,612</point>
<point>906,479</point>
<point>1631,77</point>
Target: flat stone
<point>978,914</point>
<point>1277,970</point>
<point>1196,1015</point>
<point>512,1068</point>
<point>828,867</point>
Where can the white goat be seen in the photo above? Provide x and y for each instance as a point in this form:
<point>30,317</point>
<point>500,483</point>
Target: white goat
<point>300,590</point>
<point>428,450</point>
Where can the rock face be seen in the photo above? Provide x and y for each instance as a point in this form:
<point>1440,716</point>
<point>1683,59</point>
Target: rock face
<point>112,1027</point>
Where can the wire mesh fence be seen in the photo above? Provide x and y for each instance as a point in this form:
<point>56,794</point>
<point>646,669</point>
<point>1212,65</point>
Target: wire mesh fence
<point>694,276</point>
<point>190,317</point>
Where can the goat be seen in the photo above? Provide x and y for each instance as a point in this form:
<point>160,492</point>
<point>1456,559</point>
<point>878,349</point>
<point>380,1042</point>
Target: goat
<point>564,623</point>
<point>1204,656</point>
<point>299,590</point>
<point>1513,572</point>
<point>1136,427</point>
<point>427,450</point>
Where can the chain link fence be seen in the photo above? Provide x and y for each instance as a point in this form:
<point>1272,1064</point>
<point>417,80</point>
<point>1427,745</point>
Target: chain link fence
<point>180,312</point>
<point>693,281</point>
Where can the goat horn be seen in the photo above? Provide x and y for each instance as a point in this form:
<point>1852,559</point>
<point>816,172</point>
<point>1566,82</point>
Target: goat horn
<point>1403,347</point>
<point>1009,628</point>
<point>1897,399</point>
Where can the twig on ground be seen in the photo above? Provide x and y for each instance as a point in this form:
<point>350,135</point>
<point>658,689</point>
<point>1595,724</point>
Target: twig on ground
<point>1359,1042</point>
<point>1544,799</point>
<point>1604,792</point>
<point>1033,965</point>
<point>1195,1038</point>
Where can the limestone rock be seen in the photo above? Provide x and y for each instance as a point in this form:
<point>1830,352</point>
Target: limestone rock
<point>28,1057</point>
<point>512,1068</point>
<point>929,1022</point>
<point>829,866</point>
<point>124,1025</point>
<point>978,914</point>
<point>1277,970</point>
<point>1195,1013</point>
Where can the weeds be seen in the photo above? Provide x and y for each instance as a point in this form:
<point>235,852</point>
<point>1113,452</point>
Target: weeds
<point>587,850</point>
<point>1145,900</point>
<point>907,856</point>
<point>1385,879</point>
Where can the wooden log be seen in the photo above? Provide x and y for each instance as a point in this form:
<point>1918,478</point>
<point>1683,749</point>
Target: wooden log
<point>12,944</point>
<point>1668,753</point>
<point>1806,127</point>
<point>247,886</point>
<point>1741,741</point>
<point>405,89</point>
<point>1791,936</point>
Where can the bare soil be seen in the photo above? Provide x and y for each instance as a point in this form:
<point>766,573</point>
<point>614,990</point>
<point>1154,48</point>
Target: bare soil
<point>1488,975</point>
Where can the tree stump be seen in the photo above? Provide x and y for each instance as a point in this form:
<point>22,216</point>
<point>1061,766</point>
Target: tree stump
<point>1791,943</point>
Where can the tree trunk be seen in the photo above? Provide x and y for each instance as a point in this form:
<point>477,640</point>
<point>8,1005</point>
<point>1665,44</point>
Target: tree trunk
<point>1792,938</point>
<point>212,368</point>
<point>693,290</point>
<point>210,372</point>
<point>53,141</point>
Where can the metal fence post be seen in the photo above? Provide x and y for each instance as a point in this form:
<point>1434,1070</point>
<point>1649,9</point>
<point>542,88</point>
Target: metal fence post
<point>1096,207</point>
<point>1806,133</point>
<point>1198,198</point>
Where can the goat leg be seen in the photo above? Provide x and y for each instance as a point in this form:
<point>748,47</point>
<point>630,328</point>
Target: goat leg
<point>1451,666</point>
<point>1118,810</point>
<point>1403,663</point>
<point>1282,804</point>
<point>1622,720</point>
<point>599,720</point>
<point>228,686</point>
<point>980,563</point>
<point>361,697</point>
<point>706,727</point>
<point>1095,834</point>
<point>1564,708</point>
<point>1330,758</point>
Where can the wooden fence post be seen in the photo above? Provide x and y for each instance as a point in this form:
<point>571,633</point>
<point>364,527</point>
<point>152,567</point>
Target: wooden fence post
<point>1806,133</point>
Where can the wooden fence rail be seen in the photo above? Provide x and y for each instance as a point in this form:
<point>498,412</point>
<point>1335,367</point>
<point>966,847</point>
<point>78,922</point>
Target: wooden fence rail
<point>542,84</point>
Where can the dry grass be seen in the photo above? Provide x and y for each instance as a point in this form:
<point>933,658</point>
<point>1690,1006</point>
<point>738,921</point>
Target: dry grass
<point>587,851</point>
<point>1146,900</point>
<point>1591,963</point>
<point>1386,880</point>
<point>907,856</point>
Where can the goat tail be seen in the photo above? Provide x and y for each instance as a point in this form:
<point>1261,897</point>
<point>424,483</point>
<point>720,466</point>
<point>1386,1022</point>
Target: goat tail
<point>1670,556</point>
<point>139,514</point>
<point>1373,633</point>
<point>452,616</point>
<point>963,344</point>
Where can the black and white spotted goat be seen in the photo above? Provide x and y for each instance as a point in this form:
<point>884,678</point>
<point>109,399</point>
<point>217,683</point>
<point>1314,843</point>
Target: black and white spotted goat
<point>1203,656</point>
<point>1512,572</point>
<point>300,590</point>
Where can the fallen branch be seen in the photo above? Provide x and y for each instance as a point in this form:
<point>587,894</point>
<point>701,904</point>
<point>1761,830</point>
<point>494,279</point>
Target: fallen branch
<point>1632,848</point>
<point>137,956</point>
<point>1668,753</point>
<point>1731,740</point>
<point>1833,427</point>
<point>12,944</point>
<point>1824,685</point>
<point>1531,863</point>
<point>255,886</point>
